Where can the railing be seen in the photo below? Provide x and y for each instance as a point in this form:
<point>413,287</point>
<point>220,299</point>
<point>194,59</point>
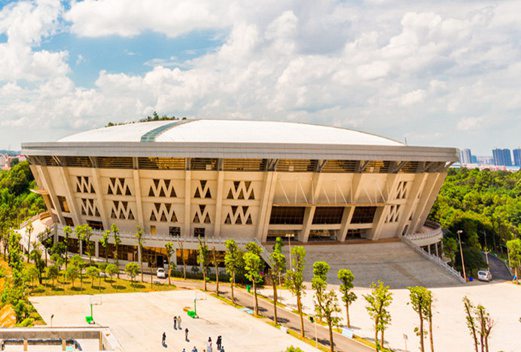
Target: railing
<point>435,259</point>
<point>433,230</point>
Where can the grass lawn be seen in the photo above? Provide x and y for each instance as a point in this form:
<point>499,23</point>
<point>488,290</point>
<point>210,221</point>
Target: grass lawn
<point>63,287</point>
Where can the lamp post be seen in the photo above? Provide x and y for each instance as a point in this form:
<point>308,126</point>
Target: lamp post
<point>461,253</point>
<point>289,236</point>
<point>52,316</point>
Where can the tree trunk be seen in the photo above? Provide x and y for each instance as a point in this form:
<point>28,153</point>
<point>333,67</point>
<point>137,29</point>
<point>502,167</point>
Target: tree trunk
<point>376,321</point>
<point>275,299</point>
<point>169,272</point>
<point>299,307</point>
<point>233,284</point>
<point>331,343</point>
<point>204,278</point>
<point>431,338</point>
<point>256,300</point>
<point>184,268</point>
<point>422,347</point>
<point>348,321</point>
<point>382,339</point>
<point>217,280</point>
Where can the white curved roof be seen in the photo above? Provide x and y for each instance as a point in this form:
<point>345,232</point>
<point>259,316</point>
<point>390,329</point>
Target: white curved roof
<point>229,131</point>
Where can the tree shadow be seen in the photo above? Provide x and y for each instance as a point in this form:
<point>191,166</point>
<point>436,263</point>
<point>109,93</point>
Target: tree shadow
<point>38,289</point>
<point>77,289</point>
<point>100,288</point>
<point>57,289</point>
<point>119,287</point>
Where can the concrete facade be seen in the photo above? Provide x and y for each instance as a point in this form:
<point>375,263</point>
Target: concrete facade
<point>243,191</point>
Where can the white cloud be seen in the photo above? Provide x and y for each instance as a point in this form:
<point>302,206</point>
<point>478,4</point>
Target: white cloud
<point>395,69</point>
<point>470,123</point>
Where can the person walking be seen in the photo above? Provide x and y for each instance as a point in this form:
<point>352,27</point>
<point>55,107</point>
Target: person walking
<point>186,336</point>
<point>175,323</point>
<point>179,322</point>
<point>209,346</point>
<point>219,342</point>
<point>163,338</point>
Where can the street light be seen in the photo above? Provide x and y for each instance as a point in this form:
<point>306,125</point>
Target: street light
<point>52,316</point>
<point>461,253</point>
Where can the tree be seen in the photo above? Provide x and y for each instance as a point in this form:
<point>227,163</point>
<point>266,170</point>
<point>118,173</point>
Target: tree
<point>378,302</point>
<point>232,262</point>
<point>77,261</point>
<point>52,272</point>
<point>278,265</point>
<point>421,302</point>
<point>139,238</point>
<point>72,273</point>
<point>111,270</point>
<point>117,241</point>
<point>346,278</point>
<point>253,267</point>
<point>104,241</point>
<point>484,327</point>
<point>28,231</point>
<point>132,270</point>
<point>169,247</point>
<point>295,280</point>
<point>514,253</point>
<point>326,302</point>
<point>67,231</point>
<point>471,322</point>
<point>203,259</point>
<point>450,248</point>
<point>181,250</point>
<point>93,272</point>
<point>39,264</point>
<point>216,260</point>
<point>31,274</point>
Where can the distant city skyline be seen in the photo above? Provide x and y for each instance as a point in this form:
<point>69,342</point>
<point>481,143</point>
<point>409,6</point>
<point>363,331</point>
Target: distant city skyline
<point>498,157</point>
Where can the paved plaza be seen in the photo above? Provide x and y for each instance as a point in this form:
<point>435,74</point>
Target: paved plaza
<point>450,330</point>
<point>138,319</point>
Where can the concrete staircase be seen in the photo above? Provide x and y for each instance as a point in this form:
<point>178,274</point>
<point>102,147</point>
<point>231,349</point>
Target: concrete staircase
<point>395,263</point>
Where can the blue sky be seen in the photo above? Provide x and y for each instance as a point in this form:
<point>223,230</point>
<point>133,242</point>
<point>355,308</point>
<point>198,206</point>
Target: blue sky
<point>133,56</point>
<point>441,72</point>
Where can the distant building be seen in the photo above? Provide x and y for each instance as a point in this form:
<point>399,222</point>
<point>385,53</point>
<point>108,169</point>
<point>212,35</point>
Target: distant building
<point>473,159</point>
<point>502,157</point>
<point>485,160</point>
<point>517,156</point>
<point>465,156</point>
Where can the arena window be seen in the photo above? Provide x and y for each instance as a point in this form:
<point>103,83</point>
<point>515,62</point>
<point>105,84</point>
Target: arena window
<point>363,215</point>
<point>328,215</point>
<point>287,215</point>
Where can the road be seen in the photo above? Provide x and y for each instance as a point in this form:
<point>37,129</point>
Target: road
<point>498,268</point>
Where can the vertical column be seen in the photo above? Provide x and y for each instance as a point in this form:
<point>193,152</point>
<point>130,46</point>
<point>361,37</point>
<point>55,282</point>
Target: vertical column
<point>270,181</point>
<point>218,204</point>
<point>96,248</point>
<point>346,220</point>
<point>412,196</point>
<point>308,220</point>
<point>432,194</point>
<point>390,186</point>
<point>47,185</point>
<point>188,196</point>
<point>64,171</point>
<point>139,199</point>
<point>99,197</point>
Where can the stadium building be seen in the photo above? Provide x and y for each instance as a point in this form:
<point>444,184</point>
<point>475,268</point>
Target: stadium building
<point>246,180</point>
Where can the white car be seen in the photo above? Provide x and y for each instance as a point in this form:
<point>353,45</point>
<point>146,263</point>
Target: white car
<point>161,273</point>
<point>484,275</point>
